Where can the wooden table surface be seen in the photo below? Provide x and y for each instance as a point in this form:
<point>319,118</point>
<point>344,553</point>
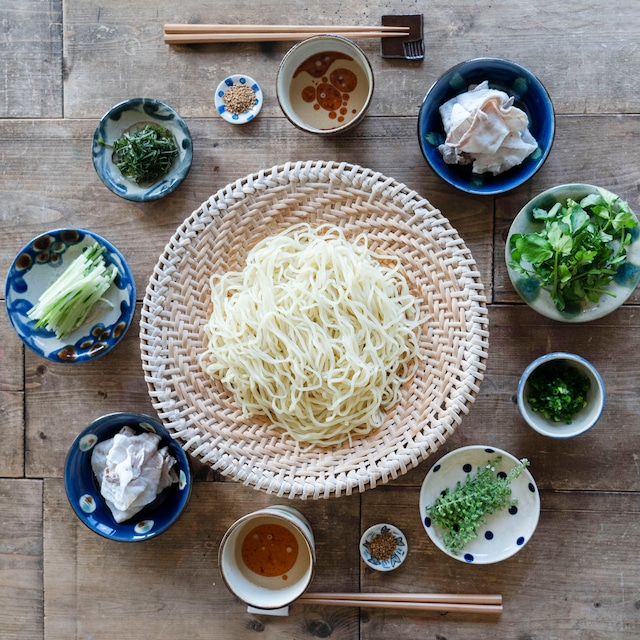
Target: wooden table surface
<point>64,64</point>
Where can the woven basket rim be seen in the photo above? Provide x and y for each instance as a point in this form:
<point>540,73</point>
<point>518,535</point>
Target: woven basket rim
<point>204,417</point>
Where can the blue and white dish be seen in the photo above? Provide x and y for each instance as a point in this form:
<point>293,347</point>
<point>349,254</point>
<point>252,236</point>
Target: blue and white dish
<point>506,531</point>
<point>129,115</point>
<point>83,490</point>
<point>398,556</point>
<point>37,266</point>
<point>241,80</point>
<point>539,299</point>
<point>529,95</point>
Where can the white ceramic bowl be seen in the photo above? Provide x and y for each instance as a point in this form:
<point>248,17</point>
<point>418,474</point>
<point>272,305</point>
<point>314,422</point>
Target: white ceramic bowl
<point>581,421</point>
<point>622,286</point>
<point>506,531</point>
<point>325,84</point>
<point>238,79</point>
<point>262,591</point>
<point>398,556</point>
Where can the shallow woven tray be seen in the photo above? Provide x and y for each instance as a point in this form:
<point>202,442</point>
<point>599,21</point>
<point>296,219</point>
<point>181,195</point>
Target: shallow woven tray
<point>218,236</point>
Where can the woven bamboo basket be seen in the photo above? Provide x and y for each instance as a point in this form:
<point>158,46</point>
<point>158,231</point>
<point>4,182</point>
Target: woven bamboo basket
<point>217,237</point>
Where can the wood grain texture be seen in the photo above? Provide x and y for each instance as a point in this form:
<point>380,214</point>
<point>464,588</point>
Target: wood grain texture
<point>21,558</point>
<point>11,401</point>
<point>585,64</point>
<point>31,51</point>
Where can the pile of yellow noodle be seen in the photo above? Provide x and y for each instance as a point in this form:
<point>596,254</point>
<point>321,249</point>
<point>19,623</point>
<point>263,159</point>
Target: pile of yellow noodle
<point>317,333</point>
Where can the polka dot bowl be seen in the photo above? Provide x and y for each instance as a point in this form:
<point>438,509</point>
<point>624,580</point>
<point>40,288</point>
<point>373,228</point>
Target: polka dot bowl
<point>238,80</point>
<point>507,531</point>
<point>395,559</point>
<point>83,490</point>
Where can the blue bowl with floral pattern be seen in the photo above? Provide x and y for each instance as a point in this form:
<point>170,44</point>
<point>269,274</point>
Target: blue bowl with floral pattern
<point>37,266</point>
<point>391,559</point>
<point>529,95</point>
<point>83,490</point>
<point>128,116</point>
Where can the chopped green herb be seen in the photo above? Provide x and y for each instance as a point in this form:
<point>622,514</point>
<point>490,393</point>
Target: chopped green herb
<point>579,249</point>
<point>558,391</point>
<point>145,154</point>
<point>65,305</point>
<point>461,512</point>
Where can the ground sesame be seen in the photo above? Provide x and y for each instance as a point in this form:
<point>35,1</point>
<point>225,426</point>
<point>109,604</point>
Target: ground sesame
<point>383,545</point>
<point>239,98</point>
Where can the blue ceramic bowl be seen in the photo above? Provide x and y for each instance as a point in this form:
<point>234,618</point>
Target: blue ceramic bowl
<point>38,265</point>
<point>84,494</point>
<point>131,114</point>
<point>238,80</point>
<point>398,556</point>
<point>529,95</point>
<point>539,299</point>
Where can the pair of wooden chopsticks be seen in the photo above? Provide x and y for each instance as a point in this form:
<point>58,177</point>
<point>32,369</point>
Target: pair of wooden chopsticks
<point>469,603</point>
<point>211,33</point>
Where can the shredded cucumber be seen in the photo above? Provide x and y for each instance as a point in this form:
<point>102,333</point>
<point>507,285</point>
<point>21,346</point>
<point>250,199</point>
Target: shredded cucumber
<point>65,305</point>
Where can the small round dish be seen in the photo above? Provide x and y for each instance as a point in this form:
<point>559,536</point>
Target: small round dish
<point>539,299</point>
<point>37,266</point>
<point>506,531</point>
<point>129,115</point>
<point>529,95</point>
<point>584,419</point>
<point>238,80</point>
<point>83,490</point>
<point>395,559</point>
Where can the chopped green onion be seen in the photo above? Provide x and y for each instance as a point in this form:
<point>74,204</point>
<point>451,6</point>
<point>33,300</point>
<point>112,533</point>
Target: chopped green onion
<point>65,305</point>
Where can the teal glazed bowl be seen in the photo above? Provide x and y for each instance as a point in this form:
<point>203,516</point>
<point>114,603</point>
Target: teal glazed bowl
<point>529,95</point>
<point>538,298</point>
<point>132,114</point>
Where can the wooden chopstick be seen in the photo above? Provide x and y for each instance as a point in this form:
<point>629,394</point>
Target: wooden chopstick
<point>424,602</point>
<point>212,33</point>
<point>273,28</point>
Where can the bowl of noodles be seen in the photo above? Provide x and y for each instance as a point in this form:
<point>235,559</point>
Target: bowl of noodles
<point>313,330</point>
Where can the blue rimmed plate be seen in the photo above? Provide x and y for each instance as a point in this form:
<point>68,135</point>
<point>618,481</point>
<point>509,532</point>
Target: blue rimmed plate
<point>529,95</point>
<point>238,80</point>
<point>38,265</point>
<point>506,531</point>
<point>83,490</point>
<point>129,115</point>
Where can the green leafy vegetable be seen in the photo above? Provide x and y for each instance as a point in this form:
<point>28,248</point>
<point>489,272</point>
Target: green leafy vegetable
<point>65,305</point>
<point>146,154</point>
<point>558,391</point>
<point>579,249</point>
<point>461,512</point>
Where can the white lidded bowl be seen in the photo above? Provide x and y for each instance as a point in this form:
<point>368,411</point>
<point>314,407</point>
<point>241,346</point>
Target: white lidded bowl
<point>584,419</point>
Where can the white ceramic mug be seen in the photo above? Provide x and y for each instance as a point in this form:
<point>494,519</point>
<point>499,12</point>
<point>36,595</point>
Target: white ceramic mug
<point>264,591</point>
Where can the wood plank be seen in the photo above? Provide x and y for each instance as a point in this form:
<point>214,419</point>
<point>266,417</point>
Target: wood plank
<point>21,558</point>
<point>73,195</point>
<point>11,401</point>
<point>581,72</point>
<point>31,49</point>
<point>578,577</point>
<point>170,586</point>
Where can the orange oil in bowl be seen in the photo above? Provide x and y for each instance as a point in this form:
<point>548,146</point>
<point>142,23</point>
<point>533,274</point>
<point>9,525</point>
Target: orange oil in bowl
<point>270,550</point>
